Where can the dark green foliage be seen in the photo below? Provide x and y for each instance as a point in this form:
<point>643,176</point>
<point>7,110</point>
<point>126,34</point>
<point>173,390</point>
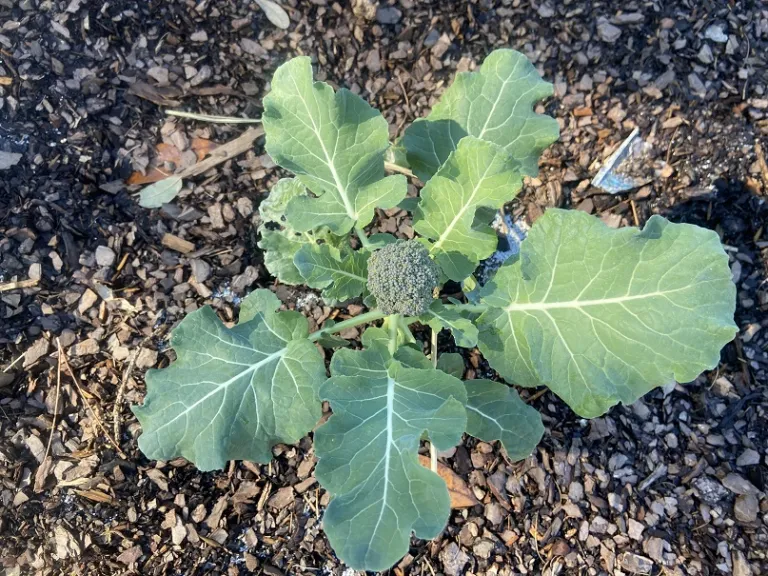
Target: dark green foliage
<point>402,277</point>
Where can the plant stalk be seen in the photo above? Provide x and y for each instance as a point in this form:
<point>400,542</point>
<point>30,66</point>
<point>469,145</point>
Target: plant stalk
<point>366,318</point>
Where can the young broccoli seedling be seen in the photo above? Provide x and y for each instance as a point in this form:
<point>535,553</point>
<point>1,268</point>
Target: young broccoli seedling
<point>599,316</point>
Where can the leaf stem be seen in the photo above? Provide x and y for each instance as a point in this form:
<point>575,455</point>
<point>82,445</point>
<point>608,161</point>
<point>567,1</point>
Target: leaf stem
<point>393,320</point>
<point>213,119</point>
<point>363,237</point>
<point>366,318</point>
<point>471,308</point>
<point>433,351</point>
<point>392,167</point>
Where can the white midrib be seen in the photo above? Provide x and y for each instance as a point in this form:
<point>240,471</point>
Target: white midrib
<point>225,385</point>
<point>461,212</point>
<point>526,306</point>
<point>342,190</point>
<point>388,452</point>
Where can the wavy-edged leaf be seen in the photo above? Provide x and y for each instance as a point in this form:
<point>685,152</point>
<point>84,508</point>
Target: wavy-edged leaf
<point>272,208</point>
<point>602,316</point>
<point>476,175</point>
<point>335,143</point>
<point>495,412</point>
<point>280,247</point>
<point>341,276</point>
<point>368,454</point>
<point>441,316</point>
<point>227,395</point>
<point>493,104</point>
<point>161,192</point>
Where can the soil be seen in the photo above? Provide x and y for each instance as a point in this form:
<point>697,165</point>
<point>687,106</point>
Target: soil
<point>674,484</point>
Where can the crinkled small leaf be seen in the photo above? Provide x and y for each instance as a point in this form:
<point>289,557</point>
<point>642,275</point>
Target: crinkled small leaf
<point>495,412</point>
<point>233,393</point>
<point>368,454</point>
<point>272,208</point>
<point>161,192</point>
<point>602,316</point>
<point>451,363</point>
<point>280,247</point>
<point>463,330</point>
<point>335,143</point>
<point>477,174</point>
<point>275,13</point>
<point>493,104</point>
<point>341,276</point>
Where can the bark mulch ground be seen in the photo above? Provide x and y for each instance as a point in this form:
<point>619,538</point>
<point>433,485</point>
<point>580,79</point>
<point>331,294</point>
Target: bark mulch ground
<point>674,484</point>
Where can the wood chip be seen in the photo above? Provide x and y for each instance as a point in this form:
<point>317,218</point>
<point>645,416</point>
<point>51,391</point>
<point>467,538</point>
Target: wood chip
<point>177,244</point>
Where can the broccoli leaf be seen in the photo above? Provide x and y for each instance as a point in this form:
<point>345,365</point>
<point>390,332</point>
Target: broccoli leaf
<point>602,316</point>
<point>280,248</point>
<point>228,394</point>
<point>493,104</point>
<point>341,276</point>
<point>368,453</point>
<point>464,331</point>
<point>451,363</point>
<point>335,143</point>
<point>495,412</point>
<point>477,174</point>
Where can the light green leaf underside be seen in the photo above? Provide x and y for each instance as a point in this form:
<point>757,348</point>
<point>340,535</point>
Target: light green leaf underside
<point>280,247</point>
<point>495,412</point>
<point>368,453</point>
<point>227,395</point>
<point>602,316</point>
<point>161,192</point>
<point>341,276</point>
<point>272,208</point>
<point>335,144</point>
<point>477,174</point>
<point>493,104</point>
<point>463,330</point>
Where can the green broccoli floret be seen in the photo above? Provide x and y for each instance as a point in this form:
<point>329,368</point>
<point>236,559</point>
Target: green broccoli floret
<point>402,277</point>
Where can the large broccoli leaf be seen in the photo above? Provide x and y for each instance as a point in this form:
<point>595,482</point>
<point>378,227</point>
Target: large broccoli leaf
<point>368,452</point>
<point>495,412</point>
<point>233,393</point>
<point>602,316</point>
<point>335,143</point>
<point>463,329</point>
<point>477,174</point>
<point>493,104</point>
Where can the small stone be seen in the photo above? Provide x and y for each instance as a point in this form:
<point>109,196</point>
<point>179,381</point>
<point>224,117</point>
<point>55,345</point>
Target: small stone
<point>252,47</point>
<point>373,60</point>
<point>431,38</point>
<point>746,507</point>
<point>716,34</point>
<point>244,206</point>
<point>159,74</point>
<point>739,485</point>
<point>710,490</point>
<point>740,565</point>
<point>105,256</point>
<point>87,300</point>
<point>655,547</point>
<point>607,31</point>
<point>576,492</point>
<point>201,270</point>
<point>453,559</point>
<point>599,525</point>
<point>483,548</point>
<point>199,36</point>
<point>494,513</point>
<point>546,10</point>
<point>748,458</point>
<point>635,529</point>
<point>671,440</point>
<point>388,15</point>
<point>705,55</point>
<point>35,352</point>
<point>697,86</point>
<point>217,219</point>
<point>86,347</point>
<point>635,563</point>
<point>282,498</point>
<point>35,271</point>
<point>147,358</point>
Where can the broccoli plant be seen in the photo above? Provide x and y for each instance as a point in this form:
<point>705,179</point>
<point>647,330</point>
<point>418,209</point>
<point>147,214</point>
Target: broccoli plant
<point>598,315</point>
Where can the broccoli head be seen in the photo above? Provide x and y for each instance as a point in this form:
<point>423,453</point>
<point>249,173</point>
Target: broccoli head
<point>402,277</point>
